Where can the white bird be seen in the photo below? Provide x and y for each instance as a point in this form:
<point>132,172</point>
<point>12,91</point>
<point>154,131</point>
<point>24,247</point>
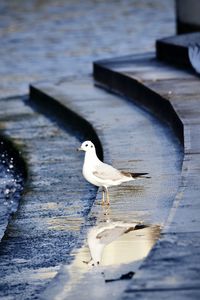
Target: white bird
<point>101,174</point>
<point>100,236</point>
<point>194,56</point>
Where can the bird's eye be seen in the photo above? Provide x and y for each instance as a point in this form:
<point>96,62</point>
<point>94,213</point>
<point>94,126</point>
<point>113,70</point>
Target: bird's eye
<point>91,146</point>
<point>86,145</point>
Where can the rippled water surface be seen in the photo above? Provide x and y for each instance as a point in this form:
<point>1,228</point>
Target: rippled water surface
<point>48,39</point>
<point>11,186</point>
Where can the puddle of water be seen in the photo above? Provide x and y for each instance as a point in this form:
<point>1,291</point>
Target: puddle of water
<point>117,247</point>
<point>116,243</point>
<point>129,247</point>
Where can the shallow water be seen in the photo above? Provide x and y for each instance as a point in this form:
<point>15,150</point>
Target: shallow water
<point>11,186</point>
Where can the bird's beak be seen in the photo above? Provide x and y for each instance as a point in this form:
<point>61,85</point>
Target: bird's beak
<point>79,149</point>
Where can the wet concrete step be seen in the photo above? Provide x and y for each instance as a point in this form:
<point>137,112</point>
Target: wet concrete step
<point>134,140</point>
<point>172,267</point>
<point>56,200</point>
<point>123,128</point>
<point>174,49</point>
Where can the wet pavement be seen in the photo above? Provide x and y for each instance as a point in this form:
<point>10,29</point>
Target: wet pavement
<point>50,39</point>
<point>56,200</point>
<point>50,224</point>
<point>120,125</point>
<point>46,240</point>
<point>172,268</point>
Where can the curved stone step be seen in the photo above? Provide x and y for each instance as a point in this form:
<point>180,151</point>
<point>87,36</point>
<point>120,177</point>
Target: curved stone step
<point>132,139</point>
<point>172,267</point>
<point>55,202</point>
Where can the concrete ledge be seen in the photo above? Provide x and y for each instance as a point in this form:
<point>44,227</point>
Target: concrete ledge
<point>120,126</point>
<point>46,227</point>
<point>50,106</point>
<point>106,74</point>
<point>174,49</point>
<point>174,96</point>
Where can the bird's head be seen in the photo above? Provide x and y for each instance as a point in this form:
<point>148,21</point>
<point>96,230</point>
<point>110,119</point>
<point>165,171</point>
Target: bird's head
<point>87,146</point>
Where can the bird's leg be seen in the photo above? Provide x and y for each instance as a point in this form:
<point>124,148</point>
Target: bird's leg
<point>103,196</point>
<point>107,212</point>
<point>107,196</point>
<point>108,199</point>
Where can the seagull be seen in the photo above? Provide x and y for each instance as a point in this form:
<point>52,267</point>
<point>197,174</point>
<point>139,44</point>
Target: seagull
<point>101,174</point>
<point>100,236</point>
<point>194,56</point>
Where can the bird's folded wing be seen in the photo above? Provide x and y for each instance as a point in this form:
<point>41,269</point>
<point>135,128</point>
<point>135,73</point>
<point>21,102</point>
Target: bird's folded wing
<point>107,172</point>
<point>111,234</point>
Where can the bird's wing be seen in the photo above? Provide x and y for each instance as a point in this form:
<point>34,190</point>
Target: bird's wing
<point>105,171</point>
<point>111,234</point>
<point>194,56</point>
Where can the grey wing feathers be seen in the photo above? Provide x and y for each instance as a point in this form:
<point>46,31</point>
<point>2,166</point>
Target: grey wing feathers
<point>140,175</point>
<point>109,235</point>
<point>104,171</point>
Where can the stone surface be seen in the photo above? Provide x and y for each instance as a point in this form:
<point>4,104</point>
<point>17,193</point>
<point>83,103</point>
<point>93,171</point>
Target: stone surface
<point>112,117</point>
<point>173,265</point>
<point>50,221</point>
<point>56,200</point>
<point>164,272</point>
<point>174,49</point>
<point>134,140</point>
<point>50,39</point>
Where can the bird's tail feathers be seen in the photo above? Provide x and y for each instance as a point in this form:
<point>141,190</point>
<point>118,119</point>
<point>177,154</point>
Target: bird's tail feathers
<point>141,226</point>
<point>139,175</point>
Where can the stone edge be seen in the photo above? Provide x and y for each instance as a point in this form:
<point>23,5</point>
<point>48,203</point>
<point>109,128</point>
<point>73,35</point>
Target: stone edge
<point>136,91</point>
<point>48,105</point>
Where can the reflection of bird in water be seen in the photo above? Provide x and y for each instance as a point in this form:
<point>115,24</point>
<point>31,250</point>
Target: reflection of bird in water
<point>101,174</point>
<point>100,236</point>
<point>194,56</point>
